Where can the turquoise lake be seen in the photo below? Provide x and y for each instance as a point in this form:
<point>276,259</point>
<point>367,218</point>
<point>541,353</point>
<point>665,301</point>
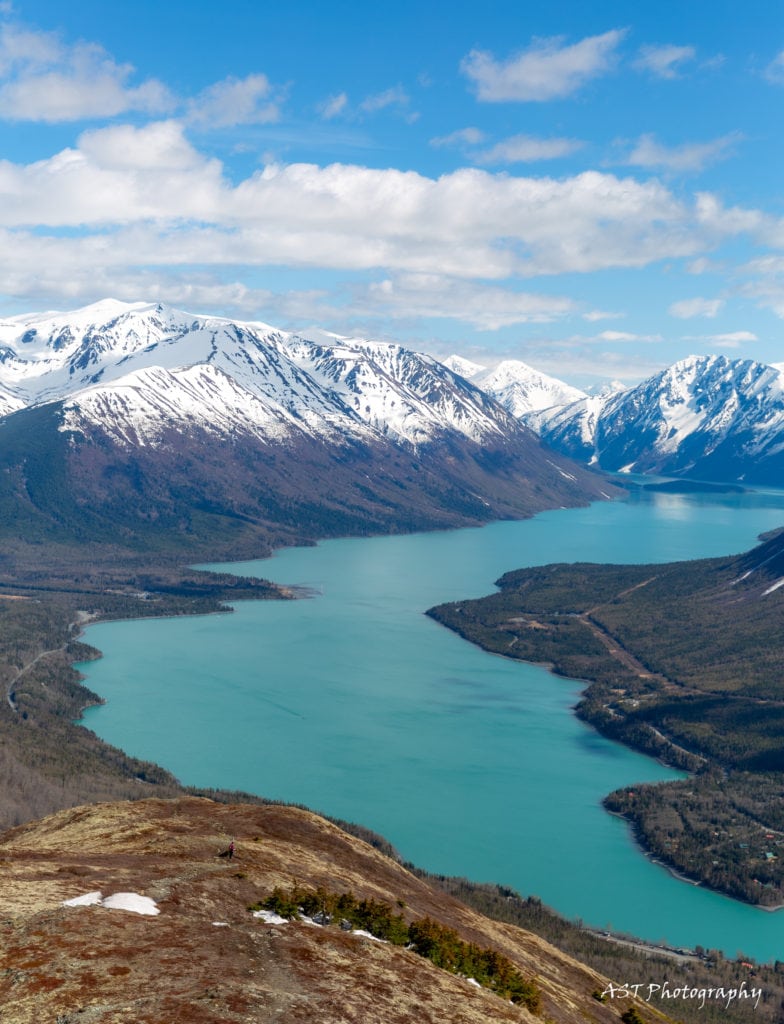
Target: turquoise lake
<point>355,704</point>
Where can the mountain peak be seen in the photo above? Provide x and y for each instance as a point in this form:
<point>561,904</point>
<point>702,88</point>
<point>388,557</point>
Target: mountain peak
<point>705,416</point>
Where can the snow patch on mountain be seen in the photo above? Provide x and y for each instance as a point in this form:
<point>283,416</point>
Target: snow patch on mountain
<point>518,387</point>
<point>463,367</point>
<point>140,369</point>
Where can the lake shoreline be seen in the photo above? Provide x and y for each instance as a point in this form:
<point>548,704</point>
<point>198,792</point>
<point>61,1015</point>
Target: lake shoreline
<point>370,553</point>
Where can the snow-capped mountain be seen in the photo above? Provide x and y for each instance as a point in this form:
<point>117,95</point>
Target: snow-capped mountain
<point>518,387</point>
<point>137,362</point>
<point>706,416</point>
<point>162,412</point>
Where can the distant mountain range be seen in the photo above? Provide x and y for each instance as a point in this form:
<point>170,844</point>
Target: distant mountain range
<point>706,417</point>
<point>138,423</point>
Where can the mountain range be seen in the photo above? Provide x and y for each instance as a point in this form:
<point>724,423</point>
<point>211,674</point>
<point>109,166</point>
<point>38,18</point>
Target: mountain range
<point>139,425</point>
<point>133,422</point>
<point>706,417</point>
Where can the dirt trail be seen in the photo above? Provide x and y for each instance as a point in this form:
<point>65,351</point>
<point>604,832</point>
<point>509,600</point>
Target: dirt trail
<point>80,620</point>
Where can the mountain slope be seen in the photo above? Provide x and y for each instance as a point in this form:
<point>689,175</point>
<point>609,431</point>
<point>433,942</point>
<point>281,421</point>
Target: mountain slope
<point>705,416</point>
<point>204,957</point>
<point>149,425</point>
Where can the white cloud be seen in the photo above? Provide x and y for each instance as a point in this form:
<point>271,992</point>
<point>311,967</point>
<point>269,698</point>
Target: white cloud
<point>692,156</point>
<point>128,199</point>
<point>733,339</point>
<point>547,70</point>
<point>249,100</point>
<point>461,137</point>
<point>118,175</point>
<point>624,336</point>
<point>600,314</point>
<point>702,265</point>
<point>526,149</point>
<point>767,283</point>
<point>433,295</point>
<point>723,221</point>
<point>42,79</point>
<point>396,96</point>
<point>688,308</point>
<point>774,72</point>
<point>469,223</point>
<point>664,61</point>
<point>160,147</point>
<point>26,48</point>
<point>333,106</point>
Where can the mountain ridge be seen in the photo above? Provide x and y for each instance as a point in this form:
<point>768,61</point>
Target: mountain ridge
<point>204,957</point>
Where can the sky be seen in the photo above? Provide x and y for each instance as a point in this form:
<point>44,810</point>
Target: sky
<point>595,189</point>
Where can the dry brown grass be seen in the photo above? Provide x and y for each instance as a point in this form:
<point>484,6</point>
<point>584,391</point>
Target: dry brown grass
<point>90,964</point>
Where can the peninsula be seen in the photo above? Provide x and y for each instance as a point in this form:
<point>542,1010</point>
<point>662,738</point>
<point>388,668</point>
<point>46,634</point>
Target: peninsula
<point>683,662</point>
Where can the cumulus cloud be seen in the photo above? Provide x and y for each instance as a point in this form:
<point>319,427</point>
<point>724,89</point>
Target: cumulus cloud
<point>721,221</point>
<point>527,149</point>
<point>249,100</point>
<point>688,308</point>
<point>691,156</point>
<point>548,69</point>
<point>43,79</point>
<point>664,61</point>
<point>117,175</point>
<point>469,223</point>
<point>125,199</point>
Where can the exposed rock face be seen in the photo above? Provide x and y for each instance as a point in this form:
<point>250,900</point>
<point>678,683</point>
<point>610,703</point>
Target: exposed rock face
<point>204,957</point>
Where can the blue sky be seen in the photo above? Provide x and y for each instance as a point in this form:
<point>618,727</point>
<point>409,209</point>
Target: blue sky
<point>593,188</point>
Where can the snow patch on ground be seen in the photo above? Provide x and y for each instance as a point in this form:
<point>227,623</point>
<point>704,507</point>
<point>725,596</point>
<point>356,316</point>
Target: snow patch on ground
<point>130,901</point>
<point>90,899</point>
<point>366,935</point>
<point>270,917</point>
<point>776,585</point>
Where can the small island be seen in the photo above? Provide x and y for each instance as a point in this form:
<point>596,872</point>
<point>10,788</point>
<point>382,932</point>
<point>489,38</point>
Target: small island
<point>683,662</point>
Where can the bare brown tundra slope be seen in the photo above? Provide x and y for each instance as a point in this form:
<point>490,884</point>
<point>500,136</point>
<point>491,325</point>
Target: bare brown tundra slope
<point>205,958</point>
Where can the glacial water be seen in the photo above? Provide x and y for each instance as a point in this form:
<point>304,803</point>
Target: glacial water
<point>353,703</point>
